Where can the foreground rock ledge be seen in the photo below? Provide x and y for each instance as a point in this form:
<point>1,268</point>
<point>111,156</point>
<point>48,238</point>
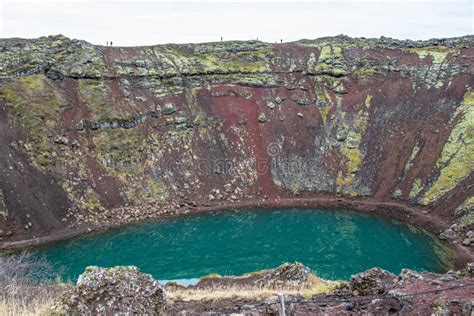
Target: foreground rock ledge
<point>127,291</point>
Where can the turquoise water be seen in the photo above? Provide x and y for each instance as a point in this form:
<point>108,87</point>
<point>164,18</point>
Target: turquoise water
<point>334,244</point>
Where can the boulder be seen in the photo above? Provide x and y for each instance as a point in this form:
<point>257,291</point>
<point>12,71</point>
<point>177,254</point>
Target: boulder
<point>371,282</point>
<point>294,275</point>
<point>110,291</point>
<point>447,234</point>
<point>262,118</point>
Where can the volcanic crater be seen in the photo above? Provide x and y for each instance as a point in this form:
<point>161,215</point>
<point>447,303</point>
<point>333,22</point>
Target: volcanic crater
<point>93,137</point>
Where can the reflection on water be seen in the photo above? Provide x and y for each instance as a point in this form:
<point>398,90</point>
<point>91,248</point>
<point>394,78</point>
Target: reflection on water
<point>334,244</point>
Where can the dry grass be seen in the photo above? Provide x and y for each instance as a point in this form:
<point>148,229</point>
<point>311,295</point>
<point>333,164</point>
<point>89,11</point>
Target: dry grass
<point>20,307</point>
<point>24,286</point>
<point>313,287</point>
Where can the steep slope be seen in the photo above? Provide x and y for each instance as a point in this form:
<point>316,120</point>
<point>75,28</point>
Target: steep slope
<point>95,136</point>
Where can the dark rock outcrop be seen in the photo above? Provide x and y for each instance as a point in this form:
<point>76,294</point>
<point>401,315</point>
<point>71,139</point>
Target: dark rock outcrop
<point>112,291</point>
<point>124,290</point>
<point>371,282</point>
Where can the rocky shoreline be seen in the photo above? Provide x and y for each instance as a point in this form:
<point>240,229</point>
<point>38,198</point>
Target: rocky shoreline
<point>462,253</point>
<point>127,290</point>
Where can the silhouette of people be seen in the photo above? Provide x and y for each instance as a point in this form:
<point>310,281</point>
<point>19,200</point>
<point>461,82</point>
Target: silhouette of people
<point>110,43</point>
<point>107,43</point>
<point>281,41</point>
<point>222,38</point>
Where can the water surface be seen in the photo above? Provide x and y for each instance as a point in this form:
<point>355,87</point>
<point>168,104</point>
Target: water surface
<point>334,244</point>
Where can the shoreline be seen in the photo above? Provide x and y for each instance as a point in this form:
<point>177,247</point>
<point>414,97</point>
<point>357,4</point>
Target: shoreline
<point>405,213</point>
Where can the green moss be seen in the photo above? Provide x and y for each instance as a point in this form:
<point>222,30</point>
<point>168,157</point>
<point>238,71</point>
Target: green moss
<point>455,162</point>
<point>467,205</point>
<point>350,150</point>
<point>38,104</point>
<point>93,93</point>
<point>366,72</point>
<point>331,61</point>
<point>466,209</point>
<point>415,188</point>
<point>92,200</point>
<point>118,148</point>
<point>156,191</point>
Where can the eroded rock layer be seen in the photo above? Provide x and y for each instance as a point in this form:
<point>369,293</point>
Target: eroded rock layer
<point>93,135</point>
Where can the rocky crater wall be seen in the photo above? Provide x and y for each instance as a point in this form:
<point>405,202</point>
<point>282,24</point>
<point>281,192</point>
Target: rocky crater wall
<point>91,135</point>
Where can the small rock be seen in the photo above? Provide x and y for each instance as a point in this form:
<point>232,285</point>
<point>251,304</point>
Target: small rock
<point>61,140</point>
<point>321,103</point>
<point>169,108</point>
<point>75,144</point>
<point>300,114</point>
<point>278,100</point>
<point>470,267</point>
<point>228,187</point>
<point>262,118</point>
<point>447,234</point>
<point>341,136</point>
<point>211,197</point>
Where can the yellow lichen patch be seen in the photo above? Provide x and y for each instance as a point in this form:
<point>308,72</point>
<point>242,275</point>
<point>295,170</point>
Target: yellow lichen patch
<point>411,159</point>
<point>415,188</point>
<point>330,51</point>
<point>324,103</point>
<point>321,95</point>
<point>324,113</point>
<point>331,61</point>
<point>252,61</point>
<point>350,149</point>
<point>456,160</point>
<point>438,53</point>
<point>368,100</point>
